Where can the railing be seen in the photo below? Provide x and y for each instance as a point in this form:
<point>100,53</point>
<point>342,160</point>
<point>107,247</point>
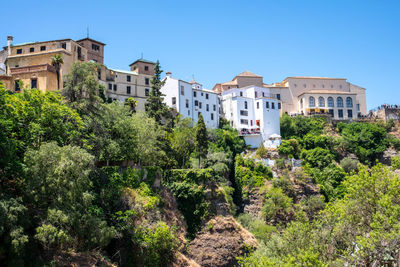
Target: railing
<point>244,132</point>
<point>35,68</point>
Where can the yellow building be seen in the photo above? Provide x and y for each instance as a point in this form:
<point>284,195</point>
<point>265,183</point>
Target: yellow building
<point>30,63</point>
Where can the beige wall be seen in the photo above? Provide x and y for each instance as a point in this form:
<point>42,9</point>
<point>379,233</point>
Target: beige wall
<point>140,68</point>
<point>360,97</point>
<point>244,81</point>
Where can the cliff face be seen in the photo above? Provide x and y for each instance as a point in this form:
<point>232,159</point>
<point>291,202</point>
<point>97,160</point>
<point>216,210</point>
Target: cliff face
<point>221,240</point>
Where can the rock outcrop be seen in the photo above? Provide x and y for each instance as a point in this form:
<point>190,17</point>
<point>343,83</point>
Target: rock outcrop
<point>220,242</point>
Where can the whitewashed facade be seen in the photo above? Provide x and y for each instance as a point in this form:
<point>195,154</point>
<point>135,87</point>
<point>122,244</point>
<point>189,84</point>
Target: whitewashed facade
<point>255,112</point>
<point>190,99</point>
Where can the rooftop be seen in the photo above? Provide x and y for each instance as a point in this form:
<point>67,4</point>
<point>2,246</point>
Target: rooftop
<point>247,73</point>
<point>124,71</point>
<point>90,39</point>
<point>143,60</point>
<point>311,77</point>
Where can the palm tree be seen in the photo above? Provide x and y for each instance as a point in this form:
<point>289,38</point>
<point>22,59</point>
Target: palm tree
<point>57,60</point>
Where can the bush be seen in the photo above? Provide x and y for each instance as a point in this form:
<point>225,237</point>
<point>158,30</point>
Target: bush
<point>277,206</point>
<point>349,164</point>
<point>317,157</point>
<point>257,227</point>
<point>289,148</point>
<point>396,162</point>
<point>189,175</point>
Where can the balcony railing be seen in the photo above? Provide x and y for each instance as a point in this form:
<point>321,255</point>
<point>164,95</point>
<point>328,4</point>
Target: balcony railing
<point>35,68</point>
<point>245,131</point>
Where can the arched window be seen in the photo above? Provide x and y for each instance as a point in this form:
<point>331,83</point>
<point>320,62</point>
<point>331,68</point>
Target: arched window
<point>339,102</point>
<point>349,102</point>
<point>321,102</point>
<point>331,103</point>
<point>311,101</point>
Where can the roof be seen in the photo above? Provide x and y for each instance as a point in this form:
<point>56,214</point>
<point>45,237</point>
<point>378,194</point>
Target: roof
<point>125,71</point>
<point>248,74</point>
<point>90,39</point>
<point>337,92</point>
<point>143,60</point>
<point>29,43</point>
<point>230,83</point>
<point>193,82</point>
<point>311,77</point>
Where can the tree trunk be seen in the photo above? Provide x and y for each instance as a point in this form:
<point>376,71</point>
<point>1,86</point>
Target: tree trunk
<point>58,79</point>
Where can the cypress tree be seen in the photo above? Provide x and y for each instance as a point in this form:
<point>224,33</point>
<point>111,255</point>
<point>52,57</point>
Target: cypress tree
<point>201,139</point>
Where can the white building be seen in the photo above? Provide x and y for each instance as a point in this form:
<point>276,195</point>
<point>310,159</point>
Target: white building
<point>254,111</point>
<point>191,100</point>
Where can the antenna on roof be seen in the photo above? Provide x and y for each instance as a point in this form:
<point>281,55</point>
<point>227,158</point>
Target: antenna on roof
<point>87,31</point>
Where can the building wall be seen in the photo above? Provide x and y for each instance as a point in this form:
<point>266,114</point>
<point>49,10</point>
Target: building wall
<point>244,81</point>
<point>140,68</point>
<point>360,97</point>
<point>92,54</point>
<point>306,104</point>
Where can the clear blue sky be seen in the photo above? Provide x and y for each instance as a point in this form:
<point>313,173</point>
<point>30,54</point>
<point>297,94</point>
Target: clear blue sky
<point>214,40</point>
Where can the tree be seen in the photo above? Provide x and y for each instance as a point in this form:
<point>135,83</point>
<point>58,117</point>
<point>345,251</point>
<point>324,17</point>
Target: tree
<point>183,139</point>
<point>57,60</point>
<point>59,187</point>
<point>201,139</point>
<point>155,107</point>
<point>82,89</point>
<point>131,103</point>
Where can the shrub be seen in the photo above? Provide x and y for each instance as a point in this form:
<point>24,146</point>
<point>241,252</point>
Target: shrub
<point>317,157</point>
<point>289,148</point>
<point>349,164</point>
<point>277,206</point>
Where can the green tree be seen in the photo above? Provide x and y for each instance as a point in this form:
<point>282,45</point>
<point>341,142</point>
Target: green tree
<point>57,60</point>
<point>183,139</point>
<point>59,187</point>
<point>201,139</point>
<point>82,88</point>
<point>155,106</point>
<point>131,103</point>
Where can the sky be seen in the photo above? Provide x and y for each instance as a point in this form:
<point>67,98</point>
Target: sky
<point>215,40</point>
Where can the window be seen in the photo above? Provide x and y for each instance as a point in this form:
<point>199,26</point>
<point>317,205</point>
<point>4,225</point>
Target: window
<point>245,104</point>
<point>339,102</point>
<point>146,68</point>
<point>33,83</point>
<point>199,104</point>
<point>244,113</point>
<point>304,85</point>
<point>349,113</point>
<point>43,48</point>
<point>331,103</point>
<point>358,107</point>
<point>147,81</point>
<point>311,101</point>
<point>115,87</point>
<point>323,86</point>
<point>241,93</point>
<point>16,86</point>
<point>279,105</point>
<point>188,112</point>
<point>95,47</point>
<point>196,103</point>
<point>128,78</point>
<point>278,96</point>
<point>207,108</point>
<point>331,112</point>
<point>272,105</point>
<point>349,102</point>
<point>147,92</point>
<point>246,122</point>
<point>267,104</point>
<point>263,94</point>
<point>109,86</point>
<point>182,90</point>
<point>295,85</point>
<point>214,107</point>
<point>194,93</point>
<point>212,116</point>
<point>206,96</point>
<point>301,103</point>
<point>201,94</point>
<point>255,94</point>
<point>187,104</point>
<point>64,45</point>
<point>32,49</point>
<point>313,85</point>
<point>331,85</point>
<point>128,90</point>
<point>340,113</point>
<point>321,102</point>
<point>19,51</point>
<point>174,101</point>
<point>258,105</point>
<point>340,86</point>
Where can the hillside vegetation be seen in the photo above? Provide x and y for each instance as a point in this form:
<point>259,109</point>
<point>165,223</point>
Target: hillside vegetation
<point>89,182</point>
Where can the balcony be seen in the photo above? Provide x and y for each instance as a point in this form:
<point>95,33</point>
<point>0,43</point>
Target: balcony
<point>249,131</point>
<point>34,68</point>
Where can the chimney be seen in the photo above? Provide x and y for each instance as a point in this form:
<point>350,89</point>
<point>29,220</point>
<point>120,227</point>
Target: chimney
<point>9,43</point>
<point>169,74</point>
